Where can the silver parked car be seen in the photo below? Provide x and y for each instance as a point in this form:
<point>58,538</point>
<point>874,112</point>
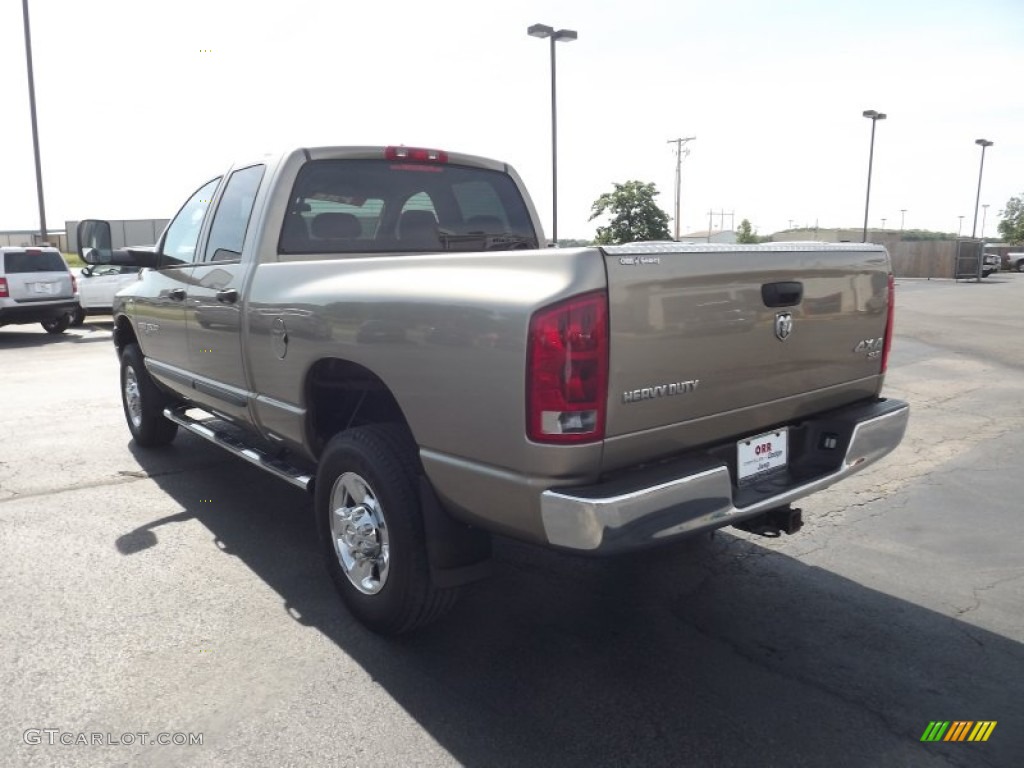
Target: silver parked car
<point>36,286</point>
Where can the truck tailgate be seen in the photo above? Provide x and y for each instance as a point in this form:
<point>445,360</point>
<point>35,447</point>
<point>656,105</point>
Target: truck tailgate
<point>710,341</point>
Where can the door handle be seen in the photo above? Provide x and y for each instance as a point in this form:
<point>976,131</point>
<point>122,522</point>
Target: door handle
<point>176,294</point>
<point>227,296</point>
<point>786,294</point>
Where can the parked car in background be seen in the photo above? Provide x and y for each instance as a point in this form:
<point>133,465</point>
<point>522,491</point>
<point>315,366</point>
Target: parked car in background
<point>990,264</point>
<point>1015,262</point>
<point>97,286</point>
<point>36,286</point>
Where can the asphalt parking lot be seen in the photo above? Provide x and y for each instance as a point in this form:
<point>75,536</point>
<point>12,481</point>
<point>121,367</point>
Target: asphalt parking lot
<point>178,592</point>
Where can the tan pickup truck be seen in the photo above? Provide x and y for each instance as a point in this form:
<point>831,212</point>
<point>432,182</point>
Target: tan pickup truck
<point>382,327</point>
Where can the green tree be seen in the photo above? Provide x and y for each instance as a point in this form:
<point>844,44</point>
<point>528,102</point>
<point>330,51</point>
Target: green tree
<point>1011,228</point>
<point>634,214</point>
<point>745,234</point>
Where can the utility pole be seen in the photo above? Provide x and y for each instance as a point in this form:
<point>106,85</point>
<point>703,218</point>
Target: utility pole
<point>680,150</point>
<point>35,130</point>
<point>903,215</point>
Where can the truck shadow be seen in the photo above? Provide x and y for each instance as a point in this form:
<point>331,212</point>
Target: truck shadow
<point>13,339</point>
<point>717,652</point>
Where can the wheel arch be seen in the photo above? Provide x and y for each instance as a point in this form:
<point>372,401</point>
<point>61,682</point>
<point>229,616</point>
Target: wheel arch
<point>341,394</point>
<point>124,333</point>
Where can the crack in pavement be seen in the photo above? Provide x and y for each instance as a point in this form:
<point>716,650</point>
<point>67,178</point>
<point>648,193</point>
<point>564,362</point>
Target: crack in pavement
<point>985,588</point>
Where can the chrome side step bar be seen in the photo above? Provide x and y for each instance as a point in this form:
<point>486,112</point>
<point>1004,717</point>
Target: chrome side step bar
<point>232,444</point>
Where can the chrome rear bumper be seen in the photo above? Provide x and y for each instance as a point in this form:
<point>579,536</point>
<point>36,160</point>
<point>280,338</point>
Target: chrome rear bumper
<point>698,494</point>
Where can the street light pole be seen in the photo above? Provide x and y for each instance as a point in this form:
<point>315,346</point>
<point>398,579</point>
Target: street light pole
<point>984,214</point>
<point>984,144</point>
<point>874,117</point>
<point>35,129</point>
<point>903,216</point>
<point>679,172</point>
<point>961,227</point>
<point>565,35</point>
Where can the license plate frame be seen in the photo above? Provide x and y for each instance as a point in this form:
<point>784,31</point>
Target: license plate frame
<point>43,289</point>
<point>761,455</point>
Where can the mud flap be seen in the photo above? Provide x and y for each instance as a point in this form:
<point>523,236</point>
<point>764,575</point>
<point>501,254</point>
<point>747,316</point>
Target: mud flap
<point>458,553</point>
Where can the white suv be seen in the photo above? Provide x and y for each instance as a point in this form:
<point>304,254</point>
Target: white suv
<point>36,286</point>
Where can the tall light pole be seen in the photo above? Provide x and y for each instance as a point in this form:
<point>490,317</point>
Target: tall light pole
<point>874,117</point>
<point>883,223</point>
<point>32,111</point>
<point>961,227</point>
<point>679,172</point>
<point>903,216</point>
<point>984,214</point>
<point>564,35</point>
<point>984,144</point>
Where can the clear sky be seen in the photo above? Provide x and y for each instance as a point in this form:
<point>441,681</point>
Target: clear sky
<point>140,102</point>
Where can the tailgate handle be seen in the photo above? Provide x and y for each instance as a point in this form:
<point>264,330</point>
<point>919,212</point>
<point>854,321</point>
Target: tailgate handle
<point>782,294</point>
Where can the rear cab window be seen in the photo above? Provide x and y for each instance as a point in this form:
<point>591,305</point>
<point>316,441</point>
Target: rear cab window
<point>385,206</point>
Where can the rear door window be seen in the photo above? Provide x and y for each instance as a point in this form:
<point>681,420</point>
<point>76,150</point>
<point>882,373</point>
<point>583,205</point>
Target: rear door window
<point>230,222</point>
<point>374,206</point>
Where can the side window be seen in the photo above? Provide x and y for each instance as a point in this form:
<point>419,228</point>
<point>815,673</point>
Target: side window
<point>227,234</point>
<point>183,232</point>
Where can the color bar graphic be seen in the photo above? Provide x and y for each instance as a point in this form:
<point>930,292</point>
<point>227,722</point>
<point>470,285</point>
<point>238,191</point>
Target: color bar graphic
<point>958,730</point>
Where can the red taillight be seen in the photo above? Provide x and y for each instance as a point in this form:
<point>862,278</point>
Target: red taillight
<point>74,284</point>
<point>415,154</point>
<point>4,293</point>
<point>567,371</point>
<point>890,316</point>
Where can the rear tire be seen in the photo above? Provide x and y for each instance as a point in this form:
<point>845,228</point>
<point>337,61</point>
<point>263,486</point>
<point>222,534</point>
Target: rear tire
<point>77,317</point>
<point>57,325</point>
<point>143,402</point>
<point>1020,265</point>
<point>371,529</point>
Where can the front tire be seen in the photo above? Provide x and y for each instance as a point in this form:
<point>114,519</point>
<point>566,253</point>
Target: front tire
<point>57,325</point>
<point>371,529</point>
<point>143,402</point>
<point>1020,265</point>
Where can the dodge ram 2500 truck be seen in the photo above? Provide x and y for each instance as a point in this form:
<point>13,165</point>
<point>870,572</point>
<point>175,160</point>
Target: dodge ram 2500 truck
<point>382,327</point>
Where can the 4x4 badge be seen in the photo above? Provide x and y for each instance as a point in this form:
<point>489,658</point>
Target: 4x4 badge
<point>783,325</point>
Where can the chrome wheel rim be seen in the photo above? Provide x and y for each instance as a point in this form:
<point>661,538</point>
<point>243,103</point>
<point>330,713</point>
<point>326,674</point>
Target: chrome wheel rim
<point>132,398</point>
<point>359,533</point>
